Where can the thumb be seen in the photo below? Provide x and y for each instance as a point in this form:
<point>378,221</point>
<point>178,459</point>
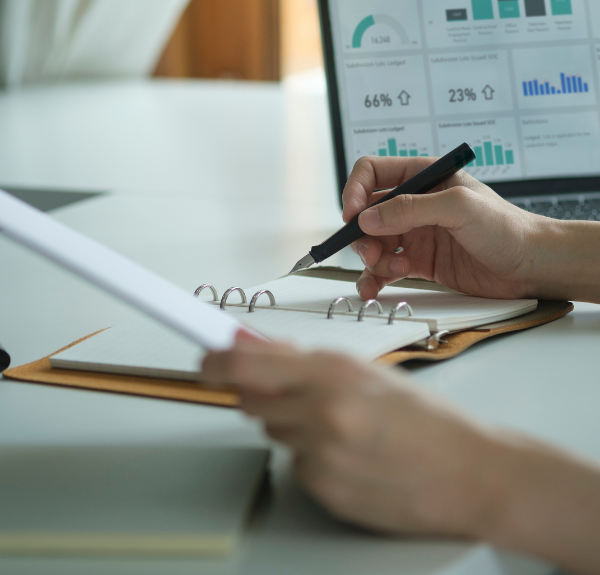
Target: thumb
<point>450,209</point>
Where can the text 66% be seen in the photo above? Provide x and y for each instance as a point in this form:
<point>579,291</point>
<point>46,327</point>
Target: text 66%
<point>378,100</point>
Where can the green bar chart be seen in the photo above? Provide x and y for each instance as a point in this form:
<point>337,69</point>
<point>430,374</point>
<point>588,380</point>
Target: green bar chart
<point>392,149</point>
<point>561,7</point>
<point>509,8</point>
<point>482,9</point>
<point>499,155</point>
<point>492,155</point>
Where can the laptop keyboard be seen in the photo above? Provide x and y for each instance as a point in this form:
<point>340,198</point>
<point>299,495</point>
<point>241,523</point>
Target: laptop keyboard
<point>584,207</point>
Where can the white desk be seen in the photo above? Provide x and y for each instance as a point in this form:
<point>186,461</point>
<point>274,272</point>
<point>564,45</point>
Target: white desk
<point>229,184</point>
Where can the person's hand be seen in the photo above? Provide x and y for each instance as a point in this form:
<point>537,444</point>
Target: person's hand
<point>381,452</point>
<point>462,235</point>
<point>370,446</point>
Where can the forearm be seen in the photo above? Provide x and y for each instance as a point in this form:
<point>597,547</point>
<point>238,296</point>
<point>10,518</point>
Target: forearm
<point>543,502</point>
<point>565,263</point>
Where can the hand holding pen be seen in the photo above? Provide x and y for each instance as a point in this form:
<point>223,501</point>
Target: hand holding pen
<point>464,236</point>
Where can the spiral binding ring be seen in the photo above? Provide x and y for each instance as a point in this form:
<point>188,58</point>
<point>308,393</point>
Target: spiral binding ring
<point>229,292</point>
<point>364,306</point>
<point>212,289</point>
<point>257,295</point>
<point>335,302</point>
<point>400,305</point>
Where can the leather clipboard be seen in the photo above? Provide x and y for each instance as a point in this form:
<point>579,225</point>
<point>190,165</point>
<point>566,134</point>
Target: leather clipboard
<point>41,371</point>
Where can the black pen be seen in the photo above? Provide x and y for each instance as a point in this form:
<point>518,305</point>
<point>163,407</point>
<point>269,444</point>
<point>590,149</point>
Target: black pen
<point>4,359</point>
<point>422,183</point>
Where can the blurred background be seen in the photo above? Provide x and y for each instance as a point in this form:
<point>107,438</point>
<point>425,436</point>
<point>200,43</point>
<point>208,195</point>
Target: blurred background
<point>55,40</point>
<point>246,40</point>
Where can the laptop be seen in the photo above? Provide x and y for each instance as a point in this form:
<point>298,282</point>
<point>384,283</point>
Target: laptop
<point>518,80</point>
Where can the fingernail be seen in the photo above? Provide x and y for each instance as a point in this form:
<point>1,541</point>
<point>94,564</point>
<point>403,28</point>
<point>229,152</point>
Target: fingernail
<point>359,285</point>
<point>362,252</point>
<point>397,267</point>
<point>370,219</point>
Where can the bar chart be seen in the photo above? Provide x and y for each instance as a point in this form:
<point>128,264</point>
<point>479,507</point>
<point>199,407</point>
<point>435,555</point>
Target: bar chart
<point>509,8</point>
<point>561,7</point>
<point>484,9</point>
<point>536,8</point>
<point>568,85</point>
<point>490,154</point>
<point>393,149</point>
<point>392,140</point>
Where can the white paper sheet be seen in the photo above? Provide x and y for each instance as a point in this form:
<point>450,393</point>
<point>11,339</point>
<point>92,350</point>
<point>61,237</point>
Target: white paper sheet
<point>202,323</point>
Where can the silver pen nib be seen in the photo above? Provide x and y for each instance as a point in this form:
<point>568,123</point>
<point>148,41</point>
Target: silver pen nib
<point>304,263</point>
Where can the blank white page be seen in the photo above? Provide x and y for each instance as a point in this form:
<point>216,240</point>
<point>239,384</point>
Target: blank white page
<point>441,310</point>
<point>142,348</point>
<point>147,349</point>
<point>368,339</point>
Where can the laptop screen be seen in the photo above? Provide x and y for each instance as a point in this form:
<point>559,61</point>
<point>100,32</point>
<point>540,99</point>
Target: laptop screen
<point>515,79</point>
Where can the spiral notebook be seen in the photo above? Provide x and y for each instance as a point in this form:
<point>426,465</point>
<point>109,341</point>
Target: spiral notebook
<point>313,313</point>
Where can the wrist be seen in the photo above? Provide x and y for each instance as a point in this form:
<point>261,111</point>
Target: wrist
<point>539,500</point>
<point>563,260</point>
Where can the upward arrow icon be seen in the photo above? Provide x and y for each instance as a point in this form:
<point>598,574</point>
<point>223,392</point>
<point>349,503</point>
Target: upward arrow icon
<point>404,98</point>
<point>488,92</point>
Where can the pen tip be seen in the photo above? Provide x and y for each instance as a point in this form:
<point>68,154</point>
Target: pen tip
<point>303,264</point>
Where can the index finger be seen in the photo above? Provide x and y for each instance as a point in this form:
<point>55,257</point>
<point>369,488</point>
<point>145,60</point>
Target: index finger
<point>374,173</point>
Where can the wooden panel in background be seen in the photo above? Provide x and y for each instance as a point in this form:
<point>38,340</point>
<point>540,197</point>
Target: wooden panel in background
<point>225,39</point>
<point>300,36</point>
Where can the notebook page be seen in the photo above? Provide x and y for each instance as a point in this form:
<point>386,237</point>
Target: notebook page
<point>440,310</point>
<point>368,339</point>
<point>142,348</point>
<point>147,349</point>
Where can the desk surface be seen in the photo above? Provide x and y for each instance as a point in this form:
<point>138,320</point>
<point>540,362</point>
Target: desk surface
<point>229,184</point>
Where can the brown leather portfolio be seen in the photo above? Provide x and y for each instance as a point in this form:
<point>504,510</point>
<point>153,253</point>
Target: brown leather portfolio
<point>450,345</point>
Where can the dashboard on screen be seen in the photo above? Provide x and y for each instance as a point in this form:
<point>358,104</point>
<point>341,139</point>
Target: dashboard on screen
<point>518,80</point>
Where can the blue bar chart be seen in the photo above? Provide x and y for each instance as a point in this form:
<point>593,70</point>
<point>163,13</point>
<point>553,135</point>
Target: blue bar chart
<point>568,85</point>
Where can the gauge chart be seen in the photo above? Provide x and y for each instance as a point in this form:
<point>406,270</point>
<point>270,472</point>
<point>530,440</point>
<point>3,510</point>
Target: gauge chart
<point>372,20</point>
<point>379,25</point>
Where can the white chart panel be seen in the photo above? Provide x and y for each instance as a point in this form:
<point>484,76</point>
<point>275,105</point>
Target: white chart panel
<point>473,82</point>
<point>561,144</point>
<point>494,141</point>
<point>463,23</point>
<point>378,25</point>
<point>402,140</point>
<point>386,88</point>
<point>554,77</point>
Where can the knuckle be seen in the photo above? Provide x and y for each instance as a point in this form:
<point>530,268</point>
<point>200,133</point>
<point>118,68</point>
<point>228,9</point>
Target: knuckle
<point>401,207</point>
<point>462,195</point>
<point>363,163</point>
